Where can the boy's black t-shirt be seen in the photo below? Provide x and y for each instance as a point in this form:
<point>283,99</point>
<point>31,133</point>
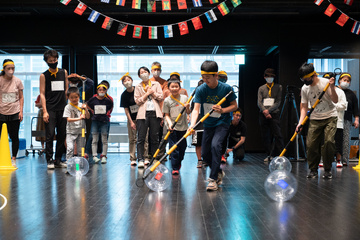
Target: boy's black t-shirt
<point>128,101</point>
<point>100,107</point>
<point>235,134</point>
<point>55,90</point>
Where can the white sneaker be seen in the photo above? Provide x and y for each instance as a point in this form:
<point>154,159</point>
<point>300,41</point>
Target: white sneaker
<point>61,165</point>
<point>133,163</point>
<point>147,162</point>
<point>212,186</point>
<point>103,159</point>
<point>221,175</point>
<point>13,162</point>
<point>96,159</point>
<point>339,164</point>
<point>51,165</point>
<point>141,164</point>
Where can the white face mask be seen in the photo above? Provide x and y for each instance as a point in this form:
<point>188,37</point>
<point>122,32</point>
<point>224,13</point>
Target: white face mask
<point>156,73</point>
<point>72,84</point>
<point>144,76</point>
<point>269,79</point>
<point>344,85</point>
<point>101,94</point>
<point>128,84</point>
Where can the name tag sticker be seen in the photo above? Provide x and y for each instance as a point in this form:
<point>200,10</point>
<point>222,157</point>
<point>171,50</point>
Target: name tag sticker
<point>268,102</point>
<point>57,86</point>
<point>9,97</point>
<point>134,108</point>
<point>100,109</point>
<point>208,107</point>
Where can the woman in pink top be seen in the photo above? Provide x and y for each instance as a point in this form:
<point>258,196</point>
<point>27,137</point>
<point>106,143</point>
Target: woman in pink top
<point>147,96</point>
<point>11,104</point>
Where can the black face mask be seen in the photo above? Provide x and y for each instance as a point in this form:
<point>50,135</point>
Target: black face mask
<point>308,82</point>
<point>52,65</point>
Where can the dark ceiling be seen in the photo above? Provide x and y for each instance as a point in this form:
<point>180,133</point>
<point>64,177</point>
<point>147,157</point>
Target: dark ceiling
<point>256,27</point>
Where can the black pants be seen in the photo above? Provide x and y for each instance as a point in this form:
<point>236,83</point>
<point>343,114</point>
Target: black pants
<point>13,125</point>
<point>152,123</point>
<point>270,128</point>
<point>57,121</point>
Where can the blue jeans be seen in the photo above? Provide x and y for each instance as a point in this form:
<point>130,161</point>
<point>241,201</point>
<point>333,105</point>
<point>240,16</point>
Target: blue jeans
<point>178,154</point>
<point>211,149</point>
<point>102,129</point>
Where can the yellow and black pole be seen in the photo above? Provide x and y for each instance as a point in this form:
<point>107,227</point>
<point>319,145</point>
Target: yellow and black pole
<point>305,120</point>
<point>140,181</point>
<point>164,140</point>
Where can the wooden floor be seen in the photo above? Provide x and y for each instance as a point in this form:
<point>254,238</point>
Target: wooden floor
<point>106,204</point>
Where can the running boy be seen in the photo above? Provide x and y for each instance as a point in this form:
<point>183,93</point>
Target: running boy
<point>217,125</point>
<point>100,105</point>
<point>75,121</point>
<point>172,107</point>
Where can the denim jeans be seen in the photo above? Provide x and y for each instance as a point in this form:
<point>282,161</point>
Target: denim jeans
<point>101,128</point>
<point>211,149</point>
<point>151,123</point>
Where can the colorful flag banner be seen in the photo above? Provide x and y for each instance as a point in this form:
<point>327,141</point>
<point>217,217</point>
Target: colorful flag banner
<point>107,23</point>
<point>65,2</point>
<point>348,2</point>
<point>168,31</point>
<point>137,31</point>
<point>105,1</point>
<point>197,3</point>
<point>122,29</point>
<point>213,1</point>
<point>342,19</point>
<point>182,4</point>
<point>210,15</point>
<point>236,3</point>
<point>223,8</point>
<point>356,28</point>
<point>152,32</point>
<point>151,6</point>
<point>166,5</point>
<point>120,2</point>
<point>93,16</point>
<point>197,23</point>
<point>183,28</point>
<point>318,2</point>
<point>136,4</point>
<point>330,10</point>
<point>80,8</point>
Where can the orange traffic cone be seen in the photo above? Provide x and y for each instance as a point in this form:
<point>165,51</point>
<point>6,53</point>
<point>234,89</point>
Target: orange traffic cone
<point>5,157</point>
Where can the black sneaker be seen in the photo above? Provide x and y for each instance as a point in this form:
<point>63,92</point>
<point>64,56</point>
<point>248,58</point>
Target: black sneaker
<point>312,174</point>
<point>327,175</point>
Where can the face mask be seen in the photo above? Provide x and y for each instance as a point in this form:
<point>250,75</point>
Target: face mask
<point>52,65</point>
<point>144,76</point>
<point>128,84</point>
<point>73,84</point>
<point>101,94</point>
<point>222,80</point>
<point>269,79</point>
<point>307,83</point>
<point>344,85</point>
<point>156,74</point>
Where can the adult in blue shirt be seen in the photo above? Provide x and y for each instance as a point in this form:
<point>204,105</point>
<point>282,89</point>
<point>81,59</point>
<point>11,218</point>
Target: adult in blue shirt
<point>217,124</point>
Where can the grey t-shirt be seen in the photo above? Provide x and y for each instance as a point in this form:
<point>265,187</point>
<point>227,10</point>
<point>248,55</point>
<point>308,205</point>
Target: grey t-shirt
<point>174,108</point>
<point>72,112</point>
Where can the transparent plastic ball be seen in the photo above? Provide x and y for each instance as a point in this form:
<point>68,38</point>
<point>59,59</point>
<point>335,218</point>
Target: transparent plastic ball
<point>159,179</point>
<point>77,166</point>
<point>280,163</point>
<point>280,185</point>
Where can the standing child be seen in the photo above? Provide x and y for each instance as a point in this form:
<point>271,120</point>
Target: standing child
<point>217,125</point>
<point>75,121</point>
<point>100,105</point>
<point>172,107</point>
